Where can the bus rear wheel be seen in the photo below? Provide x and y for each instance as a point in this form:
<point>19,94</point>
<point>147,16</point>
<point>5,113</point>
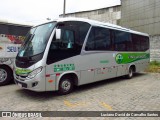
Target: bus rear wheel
<point>65,86</point>
<point>130,73</point>
<point>5,75</point>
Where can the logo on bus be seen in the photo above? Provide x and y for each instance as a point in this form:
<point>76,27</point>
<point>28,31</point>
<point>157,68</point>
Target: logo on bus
<point>119,58</point>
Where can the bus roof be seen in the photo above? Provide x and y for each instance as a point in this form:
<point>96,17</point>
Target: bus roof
<point>16,23</point>
<point>102,24</point>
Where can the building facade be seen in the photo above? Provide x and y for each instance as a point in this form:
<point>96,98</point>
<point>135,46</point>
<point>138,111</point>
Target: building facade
<point>108,14</point>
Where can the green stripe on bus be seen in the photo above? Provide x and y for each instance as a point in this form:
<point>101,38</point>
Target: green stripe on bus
<point>124,58</point>
<point>22,71</point>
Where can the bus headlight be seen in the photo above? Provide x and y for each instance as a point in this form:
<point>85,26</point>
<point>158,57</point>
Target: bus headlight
<point>35,72</point>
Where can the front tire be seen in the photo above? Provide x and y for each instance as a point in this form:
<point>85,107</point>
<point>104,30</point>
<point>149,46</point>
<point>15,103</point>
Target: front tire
<point>5,75</point>
<point>65,86</point>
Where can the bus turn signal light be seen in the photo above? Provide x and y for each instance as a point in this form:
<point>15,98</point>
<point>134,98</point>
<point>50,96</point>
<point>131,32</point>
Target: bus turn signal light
<point>50,81</point>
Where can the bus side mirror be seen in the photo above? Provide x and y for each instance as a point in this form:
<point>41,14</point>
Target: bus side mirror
<point>58,33</point>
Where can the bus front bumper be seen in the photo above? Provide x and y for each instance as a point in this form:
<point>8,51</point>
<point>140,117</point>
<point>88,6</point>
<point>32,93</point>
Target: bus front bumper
<point>35,84</point>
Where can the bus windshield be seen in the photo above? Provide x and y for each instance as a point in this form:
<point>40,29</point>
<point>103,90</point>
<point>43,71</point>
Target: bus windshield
<point>36,40</point>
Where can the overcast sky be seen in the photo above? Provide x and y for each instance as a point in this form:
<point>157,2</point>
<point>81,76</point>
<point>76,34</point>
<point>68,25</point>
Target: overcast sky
<point>38,10</point>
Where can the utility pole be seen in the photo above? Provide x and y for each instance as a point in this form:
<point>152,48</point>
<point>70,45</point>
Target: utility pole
<point>64,8</point>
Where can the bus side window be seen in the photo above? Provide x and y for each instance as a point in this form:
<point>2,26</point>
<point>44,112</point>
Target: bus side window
<point>90,42</point>
<point>141,43</point>
<point>129,44</point>
<point>136,42</point>
<point>120,40</point>
<point>99,39</point>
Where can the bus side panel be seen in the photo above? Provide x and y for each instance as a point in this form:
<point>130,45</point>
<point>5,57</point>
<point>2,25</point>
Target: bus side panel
<point>8,50</point>
<point>92,67</point>
<point>56,70</point>
<point>95,67</point>
<point>122,70</point>
<point>142,65</point>
<point>8,53</point>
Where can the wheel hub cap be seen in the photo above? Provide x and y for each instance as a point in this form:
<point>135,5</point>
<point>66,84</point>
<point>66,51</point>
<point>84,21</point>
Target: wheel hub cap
<point>3,75</point>
<point>66,85</point>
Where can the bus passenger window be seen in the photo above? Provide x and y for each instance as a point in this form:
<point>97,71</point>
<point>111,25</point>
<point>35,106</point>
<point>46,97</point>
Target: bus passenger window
<point>120,40</point>
<point>99,39</point>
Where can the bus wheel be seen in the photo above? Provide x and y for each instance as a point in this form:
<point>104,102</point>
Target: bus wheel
<point>65,86</point>
<point>130,73</point>
<point>5,75</point>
